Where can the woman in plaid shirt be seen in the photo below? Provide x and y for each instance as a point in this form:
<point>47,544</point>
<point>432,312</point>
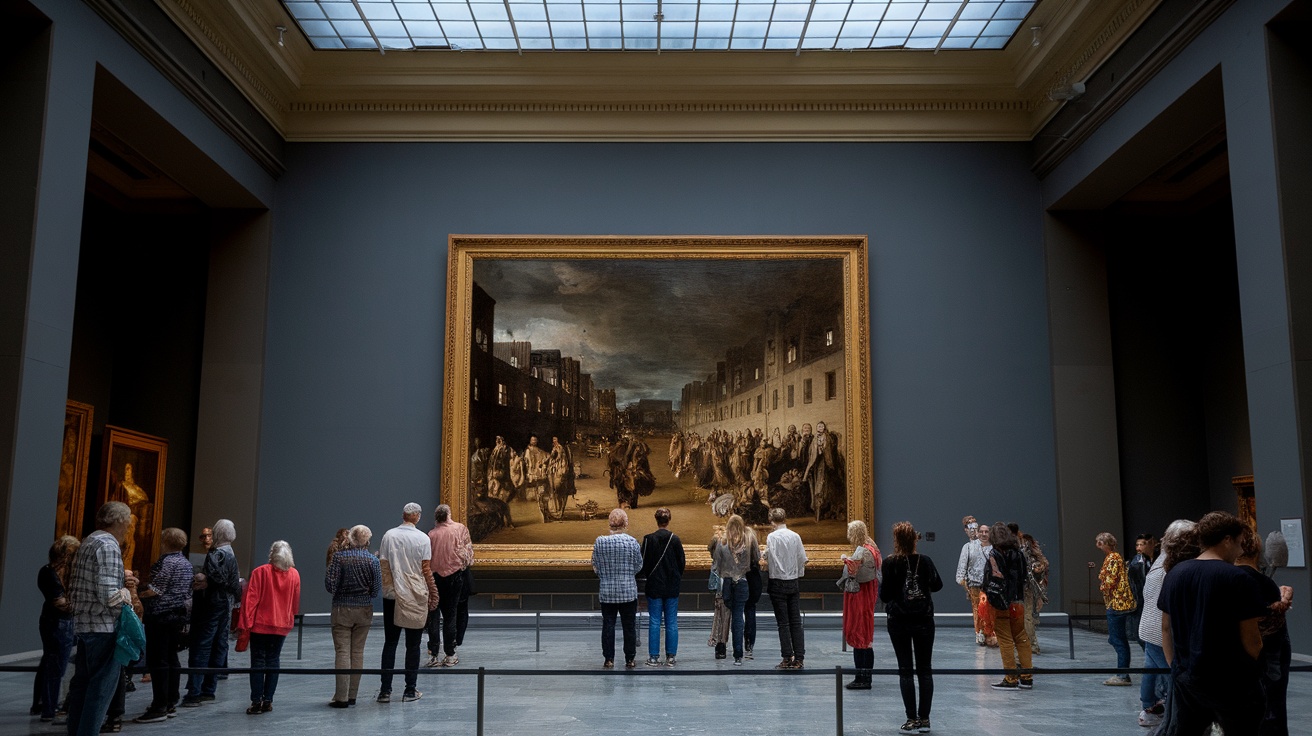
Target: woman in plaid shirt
<point>617,558</point>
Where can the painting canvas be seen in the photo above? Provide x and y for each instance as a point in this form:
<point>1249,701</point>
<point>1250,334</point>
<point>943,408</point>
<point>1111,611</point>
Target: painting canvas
<point>710,376</point>
<point>133,473</point>
<point>73,458</point>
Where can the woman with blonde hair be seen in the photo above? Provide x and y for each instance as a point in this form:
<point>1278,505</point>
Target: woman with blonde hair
<point>55,625</point>
<point>863,566</point>
<point>732,556</point>
<point>354,579</point>
<point>268,612</point>
<point>909,581</point>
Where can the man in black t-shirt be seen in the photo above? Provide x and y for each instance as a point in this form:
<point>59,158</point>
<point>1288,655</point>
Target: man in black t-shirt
<point>1210,610</point>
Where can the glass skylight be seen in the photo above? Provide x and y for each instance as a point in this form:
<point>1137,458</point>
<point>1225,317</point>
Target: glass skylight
<point>664,25</point>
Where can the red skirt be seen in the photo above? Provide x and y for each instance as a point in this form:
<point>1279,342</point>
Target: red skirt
<point>859,615</point>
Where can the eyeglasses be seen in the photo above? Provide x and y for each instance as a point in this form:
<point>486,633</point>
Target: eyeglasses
<point>972,526</point>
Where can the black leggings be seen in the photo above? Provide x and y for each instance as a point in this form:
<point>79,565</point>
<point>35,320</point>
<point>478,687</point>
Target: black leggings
<point>918,639</point>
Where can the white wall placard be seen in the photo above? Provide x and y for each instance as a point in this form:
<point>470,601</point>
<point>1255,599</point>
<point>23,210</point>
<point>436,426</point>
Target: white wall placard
<point>1293,531</point>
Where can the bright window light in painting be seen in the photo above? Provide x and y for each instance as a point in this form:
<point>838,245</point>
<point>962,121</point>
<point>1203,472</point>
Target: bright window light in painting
<point>667,25</point>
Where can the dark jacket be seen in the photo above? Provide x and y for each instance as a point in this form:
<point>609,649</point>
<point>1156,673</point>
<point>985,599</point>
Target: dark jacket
<point>892,591</point>
<point>1012,565</point>
<point>662,564</point>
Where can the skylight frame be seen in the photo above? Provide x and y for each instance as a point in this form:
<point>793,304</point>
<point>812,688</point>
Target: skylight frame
<point>607,25</point>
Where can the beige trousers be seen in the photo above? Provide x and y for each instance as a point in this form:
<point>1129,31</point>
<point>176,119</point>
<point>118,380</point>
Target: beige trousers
<point>350,629</point>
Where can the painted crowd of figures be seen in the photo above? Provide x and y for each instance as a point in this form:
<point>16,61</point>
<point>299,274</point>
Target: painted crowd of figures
<point>749,473</point>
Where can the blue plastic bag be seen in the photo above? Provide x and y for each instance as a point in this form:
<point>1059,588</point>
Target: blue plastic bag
<point>130,641</point>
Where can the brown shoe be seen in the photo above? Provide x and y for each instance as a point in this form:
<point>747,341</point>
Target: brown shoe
<point>609,664</point>
<point>266,706</point>
<point>786,664</point>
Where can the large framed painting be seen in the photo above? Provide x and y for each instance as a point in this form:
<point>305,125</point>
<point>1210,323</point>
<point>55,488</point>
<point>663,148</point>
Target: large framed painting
<point>73,459</point>
<point>707,375</point>
<point>132,471</point>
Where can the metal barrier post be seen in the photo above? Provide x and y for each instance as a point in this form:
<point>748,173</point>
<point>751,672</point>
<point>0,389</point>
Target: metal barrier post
<point>300,633</point>
<point>537,625</point>
<point>838,699</point>
<point>480,701</point>
<point>1070,632</point>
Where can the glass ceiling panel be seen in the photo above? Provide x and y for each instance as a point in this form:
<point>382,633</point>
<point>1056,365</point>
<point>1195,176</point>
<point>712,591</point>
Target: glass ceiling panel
<point>667,25</point>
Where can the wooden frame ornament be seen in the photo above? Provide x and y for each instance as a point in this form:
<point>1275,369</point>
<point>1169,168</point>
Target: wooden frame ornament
<point>74,458</point>
<point>132,471</point>
<point>469,345</point>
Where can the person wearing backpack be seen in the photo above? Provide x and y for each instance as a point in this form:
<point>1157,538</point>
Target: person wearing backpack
<point>1004,587</point>
<point>909,581</point>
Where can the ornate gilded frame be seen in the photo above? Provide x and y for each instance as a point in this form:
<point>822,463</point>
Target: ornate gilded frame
<point>464,250</point>
<point>123,446</point>
<point>74,458</point>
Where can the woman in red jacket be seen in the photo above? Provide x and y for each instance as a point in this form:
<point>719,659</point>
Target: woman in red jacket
<point>268,612</point>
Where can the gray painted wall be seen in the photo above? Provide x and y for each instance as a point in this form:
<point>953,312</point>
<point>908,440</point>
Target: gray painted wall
<point>351,421</point>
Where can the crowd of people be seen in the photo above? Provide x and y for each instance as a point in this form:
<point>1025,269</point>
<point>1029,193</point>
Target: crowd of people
<point>1203,608</point>
<point>749,472</point>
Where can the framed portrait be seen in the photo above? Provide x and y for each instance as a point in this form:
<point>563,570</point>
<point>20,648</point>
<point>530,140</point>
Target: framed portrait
<point>707,375</point>
<point>74,456</point>
<point>133,472</point>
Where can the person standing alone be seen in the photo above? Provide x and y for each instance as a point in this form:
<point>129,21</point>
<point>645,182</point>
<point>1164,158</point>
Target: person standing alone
<point>662,565</point>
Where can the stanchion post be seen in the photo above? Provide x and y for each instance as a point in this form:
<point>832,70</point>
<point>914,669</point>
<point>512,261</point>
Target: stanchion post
<point>300,633</point>
<point>838,699</point>
<point>480,701</point>
<point>537,627</point>
<point>1070,631</point>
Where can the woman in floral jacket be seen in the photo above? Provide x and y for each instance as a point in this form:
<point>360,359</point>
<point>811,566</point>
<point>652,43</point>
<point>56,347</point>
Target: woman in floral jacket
<point>1114,582</point>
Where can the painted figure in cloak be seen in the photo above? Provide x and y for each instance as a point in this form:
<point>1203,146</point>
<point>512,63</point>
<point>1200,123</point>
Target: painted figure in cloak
<point>535,468</point>
<point>824,473</point>
<point>138,502</point>
<point>498,471</point>
<point>560,477</point>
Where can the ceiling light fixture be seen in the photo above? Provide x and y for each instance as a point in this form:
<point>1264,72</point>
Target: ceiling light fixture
<point>281,30</point>
<point>1035,40</point>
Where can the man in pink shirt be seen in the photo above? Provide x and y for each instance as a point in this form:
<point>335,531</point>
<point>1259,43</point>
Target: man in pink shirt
<point>453,551</point>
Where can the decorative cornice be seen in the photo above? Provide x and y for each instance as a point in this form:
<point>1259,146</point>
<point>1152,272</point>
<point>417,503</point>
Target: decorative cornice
<point>253,80</point>
<point>164,55</point>
<point>1123,78</point>
<point>1113,32</point>
<point>674,107</point>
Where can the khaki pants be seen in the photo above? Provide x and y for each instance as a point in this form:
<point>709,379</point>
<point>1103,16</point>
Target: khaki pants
<point>1032,607</point>
<point>1012,641</point>
<point>350,629</point>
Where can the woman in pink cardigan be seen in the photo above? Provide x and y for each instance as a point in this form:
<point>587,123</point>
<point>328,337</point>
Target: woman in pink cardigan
<point>268,612</point>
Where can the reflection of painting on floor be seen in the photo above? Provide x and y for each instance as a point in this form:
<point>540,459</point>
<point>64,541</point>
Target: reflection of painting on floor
<point>692,517</point>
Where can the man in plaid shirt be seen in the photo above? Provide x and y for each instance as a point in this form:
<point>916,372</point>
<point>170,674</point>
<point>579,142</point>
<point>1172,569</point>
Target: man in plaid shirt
<point>97,589</point>
<point>616,559</point>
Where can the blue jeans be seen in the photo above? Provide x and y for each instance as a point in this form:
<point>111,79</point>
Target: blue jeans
<point>95,676</point>
<point>266,651</point>
<point>209,648</point>
<point>666,609</point>
<point>1116,636</point>
<point>56,646</point>
<point>735,598</point>
<point>1153,687</point>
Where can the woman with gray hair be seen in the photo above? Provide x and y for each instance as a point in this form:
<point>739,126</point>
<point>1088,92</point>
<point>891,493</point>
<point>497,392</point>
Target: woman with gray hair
<point>1179,543</point>
<point>355,579</point>
<point>617,558</point>
<point>268,612</point>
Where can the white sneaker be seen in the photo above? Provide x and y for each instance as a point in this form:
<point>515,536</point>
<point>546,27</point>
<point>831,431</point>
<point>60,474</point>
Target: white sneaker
<point>979,638</point>
<point>1148,720</point>
<point>451,661</point>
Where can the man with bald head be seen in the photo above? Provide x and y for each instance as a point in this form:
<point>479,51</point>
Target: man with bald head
<point>409,594</point>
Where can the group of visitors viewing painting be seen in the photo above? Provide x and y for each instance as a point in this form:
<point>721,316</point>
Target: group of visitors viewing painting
<point>1202,609</point>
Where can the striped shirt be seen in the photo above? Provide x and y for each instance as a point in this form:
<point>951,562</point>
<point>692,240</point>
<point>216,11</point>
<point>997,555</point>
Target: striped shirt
<point>354,578</point>
<point>1150,623</point>
<point>616,558</point>
<point>95,584</point>
<point>171,578</point>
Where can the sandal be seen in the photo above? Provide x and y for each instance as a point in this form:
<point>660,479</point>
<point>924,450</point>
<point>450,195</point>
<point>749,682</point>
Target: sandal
<point>254,710</point>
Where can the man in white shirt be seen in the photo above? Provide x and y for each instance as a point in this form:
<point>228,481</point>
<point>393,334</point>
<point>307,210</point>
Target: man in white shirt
<point>970,572</point>
<point>785,559</point>
<point>409,593</point>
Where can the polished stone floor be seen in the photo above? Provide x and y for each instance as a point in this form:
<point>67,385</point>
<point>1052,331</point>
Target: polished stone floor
<point>562,689</point>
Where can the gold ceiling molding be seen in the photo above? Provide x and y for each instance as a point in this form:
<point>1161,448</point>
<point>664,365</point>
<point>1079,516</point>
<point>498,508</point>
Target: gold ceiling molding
<point>359,95</point>
<point>217,45</point>
<point>987,105</point>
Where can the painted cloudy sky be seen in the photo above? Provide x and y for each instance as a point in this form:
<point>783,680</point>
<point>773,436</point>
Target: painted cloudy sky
<point>644,328</point>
